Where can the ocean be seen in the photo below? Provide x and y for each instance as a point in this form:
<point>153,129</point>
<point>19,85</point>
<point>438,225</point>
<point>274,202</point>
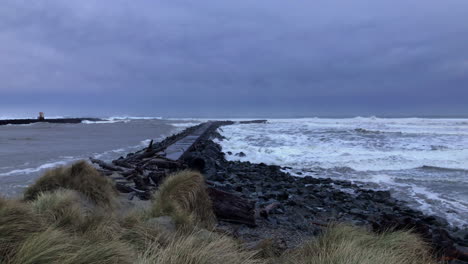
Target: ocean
<point>27,151</point>
<point>419,160</point>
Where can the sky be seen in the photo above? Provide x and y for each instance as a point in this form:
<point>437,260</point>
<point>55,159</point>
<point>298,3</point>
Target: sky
<point>211,58</point>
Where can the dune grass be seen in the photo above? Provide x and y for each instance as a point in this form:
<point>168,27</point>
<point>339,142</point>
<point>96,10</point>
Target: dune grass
<point>343,244</point>
<point>81,177</point>
<point>50,246</point>
<point>57,224</point>
<point>198,248</point>
<point>17,223</point>
<point>183,196</point>
<point>56,246</point>
<point>61,208</point>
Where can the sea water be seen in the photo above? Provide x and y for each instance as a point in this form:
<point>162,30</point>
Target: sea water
<point>420,160</point>
<point>27,151</point>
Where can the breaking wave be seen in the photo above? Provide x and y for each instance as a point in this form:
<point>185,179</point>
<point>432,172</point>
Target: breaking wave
<point>423,161</point>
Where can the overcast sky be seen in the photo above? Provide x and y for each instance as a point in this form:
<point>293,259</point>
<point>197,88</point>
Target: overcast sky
<point>234,58</point>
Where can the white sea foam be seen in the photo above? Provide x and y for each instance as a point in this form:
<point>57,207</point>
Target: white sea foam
<point>186,124</point>
<point>337,143</point>
<point>42,167</point>
<point>421,160</point>
<point>104,122</point>
<point>113,118</point>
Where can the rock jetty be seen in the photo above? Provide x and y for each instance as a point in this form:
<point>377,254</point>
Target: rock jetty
<point>47,120</point>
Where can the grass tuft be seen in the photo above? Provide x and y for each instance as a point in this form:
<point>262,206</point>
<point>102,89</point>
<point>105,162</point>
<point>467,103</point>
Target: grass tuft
<point>342,244</point>
<point>102,252</point>
<point>61,208</point>
<point>50,246</point>
<point>57,247</point>
<point>183,196</point>
<point>197,249</point>
<point>17,223</point>
<point>81,177</point>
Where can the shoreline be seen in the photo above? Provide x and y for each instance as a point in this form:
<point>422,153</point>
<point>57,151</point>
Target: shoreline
<point>288,208</point>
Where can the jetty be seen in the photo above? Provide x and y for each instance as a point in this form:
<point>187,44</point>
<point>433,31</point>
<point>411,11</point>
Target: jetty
<point>47,120</point>
<point>139,174</point>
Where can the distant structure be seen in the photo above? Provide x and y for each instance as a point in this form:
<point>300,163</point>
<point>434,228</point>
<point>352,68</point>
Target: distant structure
<point>41,116</point>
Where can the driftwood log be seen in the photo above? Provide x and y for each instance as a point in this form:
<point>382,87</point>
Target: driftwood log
<point>232,208</point>
<point>105,165</point>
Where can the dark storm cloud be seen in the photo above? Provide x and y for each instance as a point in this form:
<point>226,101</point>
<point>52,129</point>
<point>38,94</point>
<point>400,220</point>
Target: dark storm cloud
<point>243,57</point>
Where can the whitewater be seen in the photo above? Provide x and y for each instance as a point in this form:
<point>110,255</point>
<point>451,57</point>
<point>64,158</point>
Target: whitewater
<point>422,161</point>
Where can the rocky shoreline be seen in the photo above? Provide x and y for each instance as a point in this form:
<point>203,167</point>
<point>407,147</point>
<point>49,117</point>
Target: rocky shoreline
<point>288,208</point>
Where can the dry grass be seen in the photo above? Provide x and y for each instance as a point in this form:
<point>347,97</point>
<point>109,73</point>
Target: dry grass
<point>197,248</point>
<point>17,223</point>
<point>101,227</point>
<point>55,246</point>
<point>105,252</point>
<point>61,208</point>
<point>183,196</point>
<point>81,177</point>
<point>60,226</point>
<point>342,244</point>
<point>51,246</point>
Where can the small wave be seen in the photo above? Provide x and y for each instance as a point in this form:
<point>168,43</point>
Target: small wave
<point>429,167</point>
<point>184,125</point>
<point>113,118</point>
<point>104,122</point>
<point>40,168</point>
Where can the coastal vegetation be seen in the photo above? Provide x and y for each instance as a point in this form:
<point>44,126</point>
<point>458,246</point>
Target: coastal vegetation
<point>73,215</point>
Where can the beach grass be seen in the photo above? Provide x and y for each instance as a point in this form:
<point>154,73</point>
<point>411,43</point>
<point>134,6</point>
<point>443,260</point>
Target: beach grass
<point>81,177</point>
<point>198,248</point>
<point>183,196</point>
<point>62,221</point>
<point>61,208</point>
<point>17,223</point>
<point>345,244</point>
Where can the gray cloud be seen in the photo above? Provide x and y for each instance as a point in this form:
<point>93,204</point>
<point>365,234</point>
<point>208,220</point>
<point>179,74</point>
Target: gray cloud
<point>242,57</point>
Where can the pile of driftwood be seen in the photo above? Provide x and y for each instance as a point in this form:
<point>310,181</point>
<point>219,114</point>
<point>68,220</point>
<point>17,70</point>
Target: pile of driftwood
<point>139,175</point>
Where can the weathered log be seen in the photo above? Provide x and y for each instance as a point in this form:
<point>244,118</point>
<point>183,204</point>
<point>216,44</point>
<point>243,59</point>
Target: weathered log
<point>123,163</point>
<point>232,208</point>
<point>144,155</point>
<point>105,165</point>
